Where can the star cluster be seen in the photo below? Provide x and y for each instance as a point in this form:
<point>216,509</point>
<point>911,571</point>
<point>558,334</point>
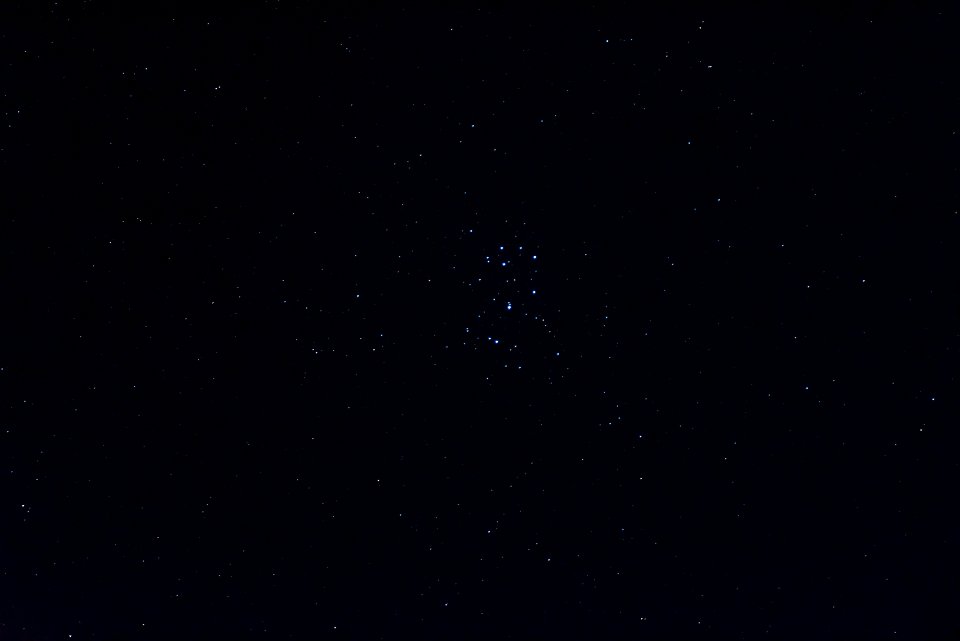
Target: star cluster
<point>513,315</point>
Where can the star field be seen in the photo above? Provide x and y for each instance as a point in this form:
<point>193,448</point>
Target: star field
<point>363,322</point>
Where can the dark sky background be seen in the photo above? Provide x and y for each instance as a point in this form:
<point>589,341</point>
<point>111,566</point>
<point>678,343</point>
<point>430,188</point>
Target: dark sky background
<point>479,323</point>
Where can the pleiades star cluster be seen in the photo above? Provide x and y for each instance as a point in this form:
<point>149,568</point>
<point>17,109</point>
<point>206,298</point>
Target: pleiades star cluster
<point>369,321</point>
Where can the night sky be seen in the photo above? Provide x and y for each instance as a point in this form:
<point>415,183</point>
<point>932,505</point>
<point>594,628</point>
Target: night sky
<point>373,322</point>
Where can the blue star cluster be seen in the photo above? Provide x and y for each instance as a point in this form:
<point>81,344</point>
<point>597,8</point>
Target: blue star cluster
<point>514,316</point>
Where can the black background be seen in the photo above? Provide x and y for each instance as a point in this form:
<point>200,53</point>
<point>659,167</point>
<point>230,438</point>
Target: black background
<point>246,385</point>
